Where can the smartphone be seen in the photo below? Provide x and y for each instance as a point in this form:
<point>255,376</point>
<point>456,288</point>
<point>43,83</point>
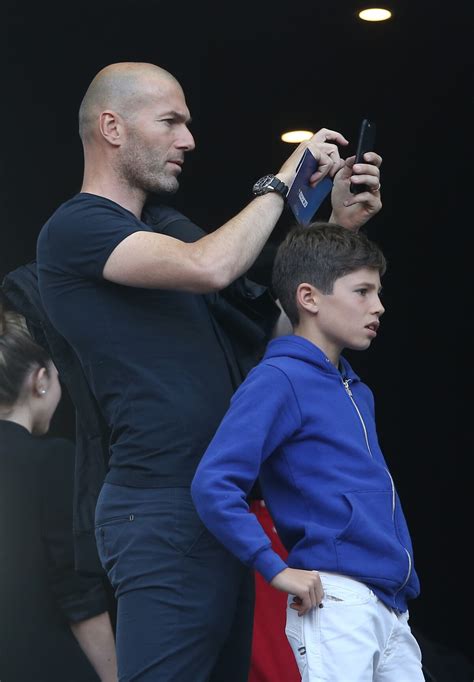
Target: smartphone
<point>366,143</point>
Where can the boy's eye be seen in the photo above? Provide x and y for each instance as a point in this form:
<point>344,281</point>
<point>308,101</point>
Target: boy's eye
<point>362,292</point>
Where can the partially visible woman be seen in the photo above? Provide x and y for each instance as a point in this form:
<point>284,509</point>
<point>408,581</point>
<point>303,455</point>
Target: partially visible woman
<point>54,623</point>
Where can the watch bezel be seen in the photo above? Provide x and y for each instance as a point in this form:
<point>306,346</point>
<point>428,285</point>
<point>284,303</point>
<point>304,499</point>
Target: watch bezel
<point>264,185</point>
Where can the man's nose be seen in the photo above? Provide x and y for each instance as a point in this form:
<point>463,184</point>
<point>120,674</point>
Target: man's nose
<point>186,140</point>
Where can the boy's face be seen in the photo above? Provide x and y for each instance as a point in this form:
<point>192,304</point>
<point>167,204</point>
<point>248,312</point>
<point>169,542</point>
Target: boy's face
<point>349,317</point>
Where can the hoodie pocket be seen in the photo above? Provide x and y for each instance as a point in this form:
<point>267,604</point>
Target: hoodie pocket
<point>369,547</point>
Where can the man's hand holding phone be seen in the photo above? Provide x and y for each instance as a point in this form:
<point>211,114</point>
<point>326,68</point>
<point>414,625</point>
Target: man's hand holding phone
<point>355,194</point>
<point>354,210</point>
<point>348,209</point>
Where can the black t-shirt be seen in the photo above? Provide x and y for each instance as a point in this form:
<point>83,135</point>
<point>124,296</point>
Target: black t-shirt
<point>152,357</point>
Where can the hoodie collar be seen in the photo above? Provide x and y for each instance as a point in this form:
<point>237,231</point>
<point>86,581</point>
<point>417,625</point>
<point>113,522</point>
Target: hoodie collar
<point>301,348</point>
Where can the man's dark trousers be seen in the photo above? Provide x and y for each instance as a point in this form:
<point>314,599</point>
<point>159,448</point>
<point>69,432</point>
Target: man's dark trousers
<point>184,603</point>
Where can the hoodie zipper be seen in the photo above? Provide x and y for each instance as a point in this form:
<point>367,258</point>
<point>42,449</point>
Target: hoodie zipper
<point>346,383</point>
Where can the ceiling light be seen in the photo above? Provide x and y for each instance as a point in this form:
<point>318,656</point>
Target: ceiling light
<point>375,14</point>
<point>296,136</point>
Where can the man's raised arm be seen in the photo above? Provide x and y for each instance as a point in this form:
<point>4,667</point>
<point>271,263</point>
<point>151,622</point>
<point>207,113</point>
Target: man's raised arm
<point>154,260</point>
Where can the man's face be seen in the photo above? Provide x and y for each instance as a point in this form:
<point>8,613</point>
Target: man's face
<point>157,138</point>
<point>349,317</point>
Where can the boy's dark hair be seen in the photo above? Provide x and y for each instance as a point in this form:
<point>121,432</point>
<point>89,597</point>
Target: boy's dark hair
<point>319,254</point>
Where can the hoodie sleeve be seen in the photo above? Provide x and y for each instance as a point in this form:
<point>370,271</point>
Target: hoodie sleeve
<point>263,414</point>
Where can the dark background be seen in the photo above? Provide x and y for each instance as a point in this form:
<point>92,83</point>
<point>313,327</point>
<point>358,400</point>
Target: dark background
<point>249,71</point>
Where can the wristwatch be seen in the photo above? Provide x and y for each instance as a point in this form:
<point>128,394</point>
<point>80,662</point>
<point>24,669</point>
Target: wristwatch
<point>270,183</point>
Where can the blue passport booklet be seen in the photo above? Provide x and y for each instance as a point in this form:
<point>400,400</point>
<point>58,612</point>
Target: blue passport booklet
<point>303,199</point>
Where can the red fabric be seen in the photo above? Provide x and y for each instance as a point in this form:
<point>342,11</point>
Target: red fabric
<point>272,658</point>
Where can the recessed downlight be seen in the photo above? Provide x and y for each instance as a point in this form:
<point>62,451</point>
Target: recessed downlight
<point>375,14</point>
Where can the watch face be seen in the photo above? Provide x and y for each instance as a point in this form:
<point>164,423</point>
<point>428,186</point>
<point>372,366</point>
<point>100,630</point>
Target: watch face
<point>262,182</point>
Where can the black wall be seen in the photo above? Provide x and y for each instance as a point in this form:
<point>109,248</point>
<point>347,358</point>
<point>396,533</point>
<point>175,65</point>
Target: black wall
<point>248,72</point>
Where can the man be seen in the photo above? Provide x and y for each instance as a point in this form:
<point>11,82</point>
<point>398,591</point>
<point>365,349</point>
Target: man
<point>137,304</point>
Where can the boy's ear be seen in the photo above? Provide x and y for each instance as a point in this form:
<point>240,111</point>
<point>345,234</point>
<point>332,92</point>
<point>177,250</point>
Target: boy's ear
<point>307,298</point>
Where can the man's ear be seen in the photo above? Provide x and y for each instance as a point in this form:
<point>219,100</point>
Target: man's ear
<point>111,127</point>
<point>307,298</point>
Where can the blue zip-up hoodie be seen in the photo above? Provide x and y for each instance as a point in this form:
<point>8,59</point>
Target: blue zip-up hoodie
<point>308,431</point>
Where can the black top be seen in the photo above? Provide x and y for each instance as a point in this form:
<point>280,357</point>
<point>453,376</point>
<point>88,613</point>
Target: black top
<point>39,589</point>
<point>153,357</point>
<point>243,317</point>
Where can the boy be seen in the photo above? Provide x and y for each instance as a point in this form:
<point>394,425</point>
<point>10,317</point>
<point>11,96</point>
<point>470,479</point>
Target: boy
<point>303,422</point>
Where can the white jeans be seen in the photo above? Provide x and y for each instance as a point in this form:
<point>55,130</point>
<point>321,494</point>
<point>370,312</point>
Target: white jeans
<point>353,638</point>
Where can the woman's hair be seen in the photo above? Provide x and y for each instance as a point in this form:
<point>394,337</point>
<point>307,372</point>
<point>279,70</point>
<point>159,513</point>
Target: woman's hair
<point>19,354</point>
<point>319,254</point>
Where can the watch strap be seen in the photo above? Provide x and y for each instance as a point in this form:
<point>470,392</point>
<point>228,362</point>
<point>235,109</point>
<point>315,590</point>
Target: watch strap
<point>270,183</point>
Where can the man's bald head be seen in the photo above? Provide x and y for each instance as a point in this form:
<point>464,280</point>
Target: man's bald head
<point>122,88</point>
